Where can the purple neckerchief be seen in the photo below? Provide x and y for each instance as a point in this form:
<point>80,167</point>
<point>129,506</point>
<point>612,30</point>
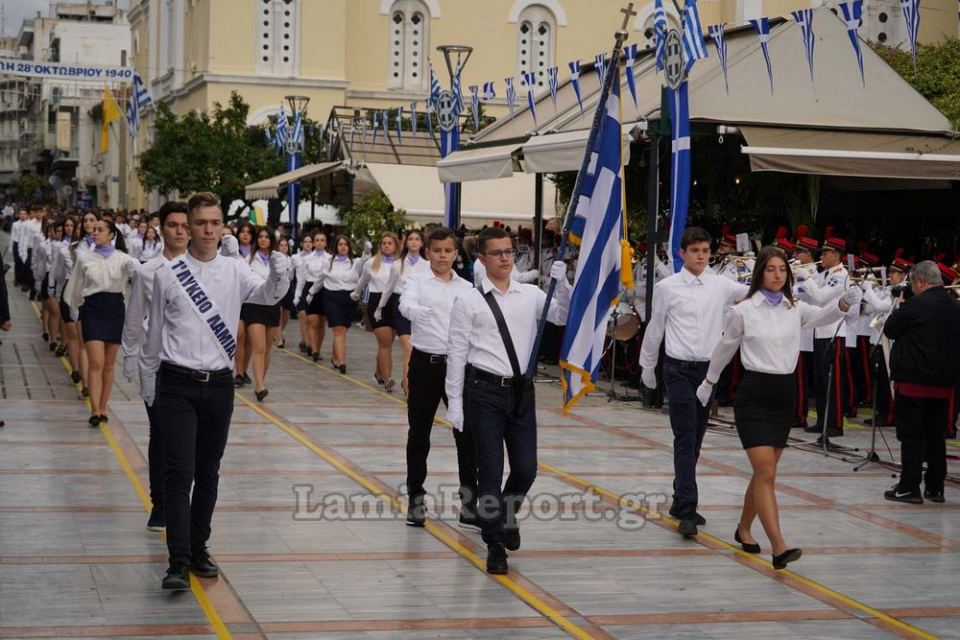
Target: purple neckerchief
<point>245,251</point>
<point>387,259</point>
<point>413,258</point>
<point>88,239</point>
<point>342,257</point>
<point>106,250</point>
<point>774,298</point>
<point>319,253</point>
<point>264,259</point>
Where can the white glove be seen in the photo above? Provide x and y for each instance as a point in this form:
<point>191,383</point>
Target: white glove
<point>354,296</point>
<point>851,297</point>
<point>558,271</point>
<point>75,314</point>
<point>455,413</point>
<point>131,368</point>
<point>296,301</point>
<point>800,275</point>
<point>131,266</point>
<point>231,247</point>
<point>377,314</point>
<point>309,298</point>
<point>704,391</point>
<point>279,264</point>
<point>649,378</point>
<point>148,389</point>
<point>866,285</point>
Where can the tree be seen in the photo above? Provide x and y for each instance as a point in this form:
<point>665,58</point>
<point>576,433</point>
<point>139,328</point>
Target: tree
<point>371,216</point>
<point>31,187</point>
<point>937,76</point>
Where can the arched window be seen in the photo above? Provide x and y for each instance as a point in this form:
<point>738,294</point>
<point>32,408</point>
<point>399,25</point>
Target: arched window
<point>277,36</point>
<point>409,37</point>
<point>536,34</point>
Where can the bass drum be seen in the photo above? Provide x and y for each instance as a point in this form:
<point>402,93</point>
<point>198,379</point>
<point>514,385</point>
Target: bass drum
<point>624,323</point>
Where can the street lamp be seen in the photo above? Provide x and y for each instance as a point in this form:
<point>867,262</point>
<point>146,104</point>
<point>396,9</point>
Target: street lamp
<point>450,140</point>
<point>294,153</point>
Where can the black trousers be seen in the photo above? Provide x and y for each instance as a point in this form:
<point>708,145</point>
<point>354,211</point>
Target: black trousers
<point>488,409</point>
<point>828,358</point>
<point>194,418</point>
<point>861,371</point>
<point>17,265</point>
<point>155,459</point>
<point>688,420</point>
<point>802,374</point>
<point>426,390</point>
<point>921,430</point>
<point>884,411</point>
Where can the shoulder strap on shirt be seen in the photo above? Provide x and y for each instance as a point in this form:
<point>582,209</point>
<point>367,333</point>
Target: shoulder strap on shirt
<point>504,333</point>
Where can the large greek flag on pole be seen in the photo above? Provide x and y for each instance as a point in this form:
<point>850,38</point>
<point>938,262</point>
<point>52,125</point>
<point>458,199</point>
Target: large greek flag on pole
<point>139,100</point>
<point>599,217</point>
<point>280,141</point>
<point>679,170</point>
<point>450,142</point>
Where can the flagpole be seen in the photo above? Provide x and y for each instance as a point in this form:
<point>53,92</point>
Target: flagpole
<point>620,37</point>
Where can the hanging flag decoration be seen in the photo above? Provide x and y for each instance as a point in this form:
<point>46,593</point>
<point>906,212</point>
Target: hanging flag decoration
<point>400,124</point>
<point>762,27</point>
<point>363,131</point>
<point>851,12</point>
<point>376,124</point>
<point>457,93</point>
<point>694,46</point>
<point>720,44</point>
<point>353,131</point>
<point>575,81</point>
<point>489,91</point>
<point>660,33</point>
<point>298,128</point>
<point>434,89</point>
<point>630,54</point>
<point>511,95</point>
<point>911,15</point>
<point>450,142</point>
<point>475,106</point>
<point>281,140</point>
<point>139,100</point>
<point>530,79</point>
<point>553,84</point>
<point>599,65</point>
<point>413,118</point>
<point>804,19</point>
<point>385,122</point>
<point>679,170</point>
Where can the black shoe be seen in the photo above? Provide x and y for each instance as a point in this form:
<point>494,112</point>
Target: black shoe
<point>46,336</point>
<point>746,546</point>
<point>315,357</point>
<point>934,496</point>
<point>813,429</point>
<point>157,521</point>
<point>237,381</point>
<point>282,344</point>
<point>687,527</point>
<point>261,394</point>
<point>303,347</point>
<point>94,422</point>
<point>675,513</point>
<point>781,561</point>
<point>834,432</point>
<point>202,566</point>
<point>511,538</point>
<point>496,559</point>
<point>76,377</point>
<point>247,379</point>
<point>177,578</point>
<point>103,418</point>
<point>896,494</point>
<point>342,369</point>
<point>61,351</point>
<point>468,519</point>
<point>53,345</point>
<point>416,512</point>
<point>85,392</point>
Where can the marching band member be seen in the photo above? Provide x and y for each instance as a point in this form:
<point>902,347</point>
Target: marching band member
<point>339,279</point>
<point>187,370</point>
<point>687,314</point>
<point>765,327</point>
<point>376,274</point>
<point>805,248</point>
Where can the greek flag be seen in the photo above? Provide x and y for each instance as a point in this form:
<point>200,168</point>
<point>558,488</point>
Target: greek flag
<point>599,65</point>
<point>553,84</point>
<point>475,106</point>
<point>599,217</point>
<point>911,15</point>
<point>575,81</point>
<point>457,93</point>
<point>762,27</point>
<point>851,13</point>
<point>413,117</point>
<point>281,139</point>
<point>720,44</point>
<point>297,135</point>
<point>694,46</point>
<point>140,99</point>
<point>804,19</point>
<point>376,125</point>
<point>399,124</point>
<point>511,95</point>
<point>489,91</point>
<point>660,33</point>
<point>630,53</point>
<point>450,142</point>
<point>530,79</point>
<point>434,88</point>
<point>679,170</point>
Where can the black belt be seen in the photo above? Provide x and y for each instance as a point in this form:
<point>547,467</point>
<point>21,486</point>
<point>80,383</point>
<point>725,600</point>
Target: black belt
<point>685,364</point>
<point>196,375</point>
<point>429,358</point>
<point>491,378</point>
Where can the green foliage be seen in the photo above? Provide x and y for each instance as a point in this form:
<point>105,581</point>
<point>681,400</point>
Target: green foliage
<point>27,186</point>
<point>371,216</point>
<point>937,77</point>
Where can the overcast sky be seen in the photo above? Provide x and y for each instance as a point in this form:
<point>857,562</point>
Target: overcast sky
<point>16,11</point>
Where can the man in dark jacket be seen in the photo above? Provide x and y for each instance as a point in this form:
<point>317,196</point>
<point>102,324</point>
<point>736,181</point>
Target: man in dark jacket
<point>4,303</point>
<point>924,366</point>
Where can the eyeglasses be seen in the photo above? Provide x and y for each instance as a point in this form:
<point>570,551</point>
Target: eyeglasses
<point>500,253</point>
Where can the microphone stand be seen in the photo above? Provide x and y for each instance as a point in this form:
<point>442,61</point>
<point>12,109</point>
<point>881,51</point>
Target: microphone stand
<point>871,455</point>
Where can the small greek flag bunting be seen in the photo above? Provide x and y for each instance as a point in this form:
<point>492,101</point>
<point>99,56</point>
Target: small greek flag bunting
<point>630,54</point>
<point>530,79</point>
<point>434,88</point>
<point>511,95</point>
<point>399,124</point>
<point>553,84</point>
<point>851,13</point>
<point>660,33</point>
<point>694,46</point>
<point>385,121</point>
<point>475,105</point>
<point>457,93</point>
<point>489,90</point>
<point>804,19</point>
<point>911,15</point>
<point>575,81</point>
<point>720,44</point>
<point>281,140</point>
<point>376,124</point>
<point>762,27</point>
<point>599,65</point>
<point>413,118</point>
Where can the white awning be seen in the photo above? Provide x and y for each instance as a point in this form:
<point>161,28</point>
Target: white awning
<point>485,163</point>
<point>554,152</point>
<point>270,187</point>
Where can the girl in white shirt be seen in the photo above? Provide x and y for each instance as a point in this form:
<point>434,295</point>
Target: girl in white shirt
<point>245,235</point>
<point>766,327</point>
<point>299,262</point>
<point>315,266</point>
<point>152,245</point>
<point>337,282</point>
<point>261,321</point>
<point>376,274</point>
<point>97,288</point>
<point>63,268</point>
<point>286,305</point>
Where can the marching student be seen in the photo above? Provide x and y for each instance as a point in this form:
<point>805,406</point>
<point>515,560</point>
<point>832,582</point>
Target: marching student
<point>61,263</point>
<point>261,321</point>
<point>428,300</point>
<point>152,244</point>
<point>376,274</point>
<point>176,235</point>
<point>492,331</point>
<point>245,241</point>
<point>316,265</point>
<point>16,237</point>
<point>687,316</point>
<point>765,326</point>
<point>97,288</point>
<point>186,369</point>
<point>412,262</point>
<point>299,262</point>
<point>286,305</point>
<point>338,281</point>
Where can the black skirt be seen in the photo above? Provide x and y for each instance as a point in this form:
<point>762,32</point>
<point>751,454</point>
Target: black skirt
<point>764,409</point>
<point>341,311</point>
<point>386,314</point>
<point>302,304</point>
<point>101,317</point>
<point>64,308</point>
<point>265,314</point>
<point>287,301</point>
<point>400,323</point>
<point>317,306</point>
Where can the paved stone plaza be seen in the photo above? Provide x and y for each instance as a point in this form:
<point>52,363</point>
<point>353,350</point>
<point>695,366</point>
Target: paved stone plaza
<point>76,560</point>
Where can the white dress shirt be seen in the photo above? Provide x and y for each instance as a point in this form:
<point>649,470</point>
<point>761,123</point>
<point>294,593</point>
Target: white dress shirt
<point>314,265</point>
<point>531,276</point>
<point>821,290</point>
<point>176,333</point>
<point>879,302</point>
<point>151,249</point>
<point>475,339</point>
<point>96,274</point>
<point>61,267</point>
<point>137,320</point>
<point>427,302</point>
<point>377,280</point>
<point>135,246</point>
<point>400,272</point>
<point>688,312</point>
<point>339,275</point>
<point>768,336</point>
<point>260,265</point>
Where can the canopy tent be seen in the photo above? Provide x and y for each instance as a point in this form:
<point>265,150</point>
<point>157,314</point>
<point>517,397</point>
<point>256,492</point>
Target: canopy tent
<point>270,187</point>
